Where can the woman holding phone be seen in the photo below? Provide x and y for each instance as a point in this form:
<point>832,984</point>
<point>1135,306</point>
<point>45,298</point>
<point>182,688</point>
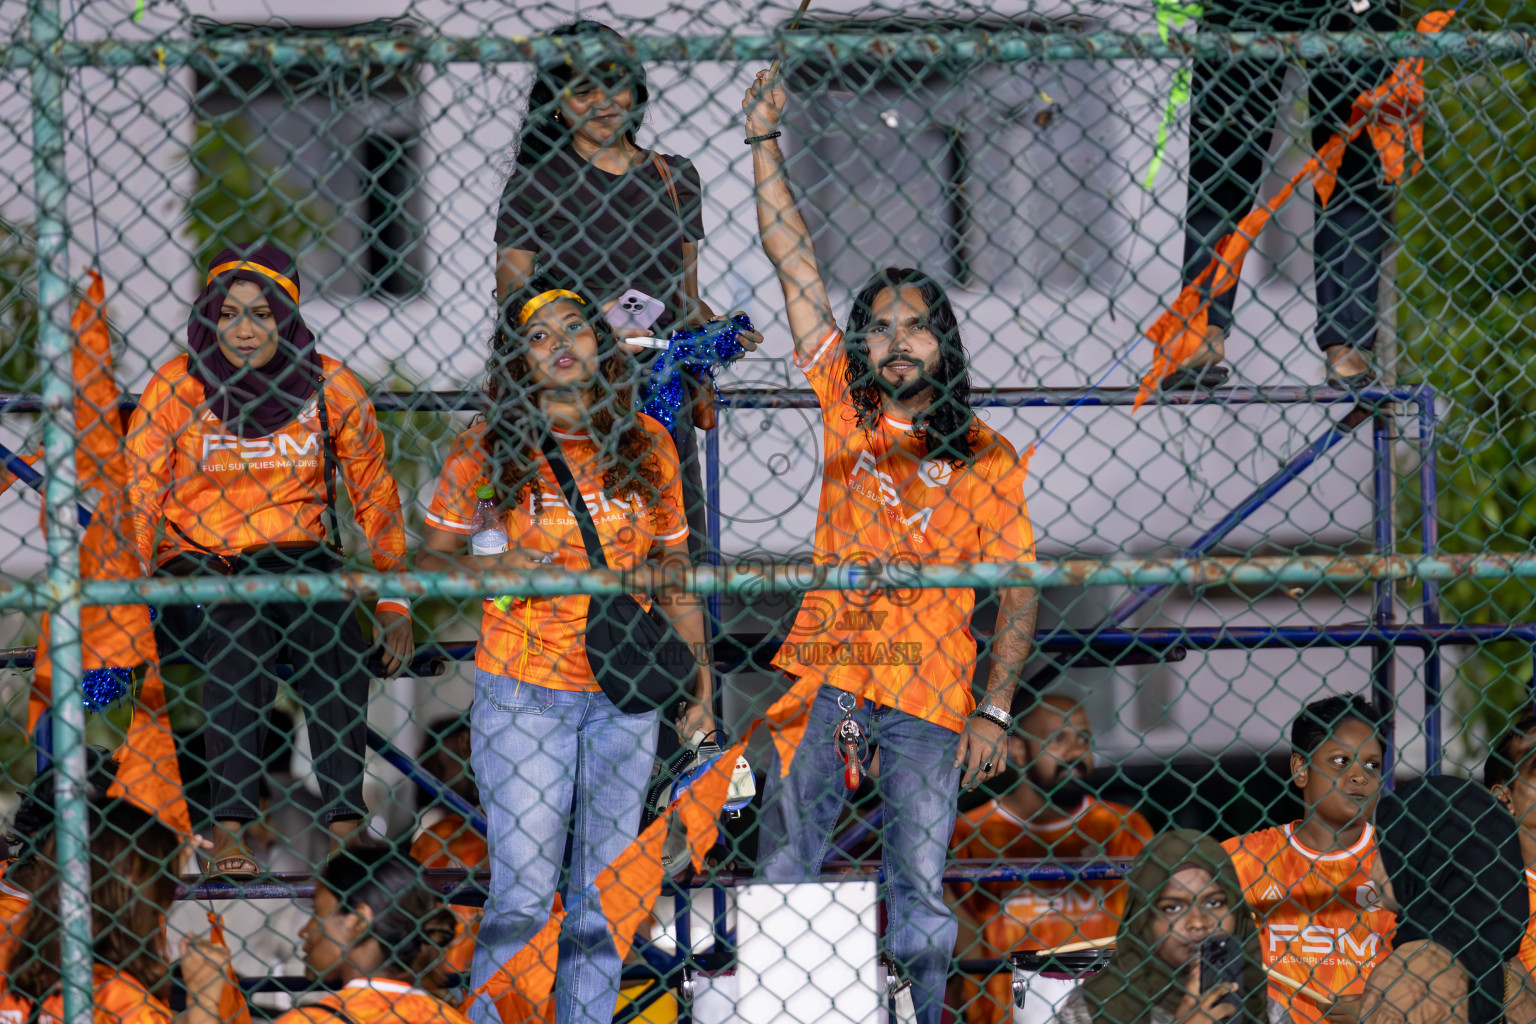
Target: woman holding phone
<point>1181,892</point>
<point>557,762</point>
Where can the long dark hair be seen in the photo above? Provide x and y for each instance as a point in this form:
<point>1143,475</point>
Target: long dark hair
<point>133,883</point>
<point>948,428</point>
<point>543,132</point>
<point>411,923</point>
<point>512,449</point>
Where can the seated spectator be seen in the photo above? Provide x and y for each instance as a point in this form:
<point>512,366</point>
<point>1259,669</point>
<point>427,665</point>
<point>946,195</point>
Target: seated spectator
<point>444,832</point>
<point>20,872</point>
<point>1510,775</point>
<point>450,843</point>
<point>134,858</point>
<point>1449,867</point>
<point>1045,814</point>
<point>1181,890</point>
<point>377,929</point>
<point>263,934</point>
<point>1418,983</point>
<point>1309,882</point>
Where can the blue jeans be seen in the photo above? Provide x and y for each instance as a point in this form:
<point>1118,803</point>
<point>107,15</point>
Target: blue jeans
<point>554,765</point>
<point>918,786</point>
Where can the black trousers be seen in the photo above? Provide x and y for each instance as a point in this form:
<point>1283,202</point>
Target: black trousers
<point>241,646</point>
<point>1233,109</point>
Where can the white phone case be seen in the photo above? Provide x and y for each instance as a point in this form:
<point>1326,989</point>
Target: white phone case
<point>635,311</point>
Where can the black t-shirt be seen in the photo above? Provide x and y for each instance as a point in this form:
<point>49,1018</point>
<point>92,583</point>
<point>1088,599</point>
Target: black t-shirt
<point>606,233</point>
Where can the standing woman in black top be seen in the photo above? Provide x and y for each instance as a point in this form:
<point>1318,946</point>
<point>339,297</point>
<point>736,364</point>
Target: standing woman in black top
<point>586,204</point>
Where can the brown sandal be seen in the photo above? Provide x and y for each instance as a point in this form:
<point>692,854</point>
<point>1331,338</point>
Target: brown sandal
<point>235,866</point>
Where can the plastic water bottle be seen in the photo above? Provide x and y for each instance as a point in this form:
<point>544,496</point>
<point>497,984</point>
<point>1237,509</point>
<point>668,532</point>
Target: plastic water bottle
<point>486,536</point>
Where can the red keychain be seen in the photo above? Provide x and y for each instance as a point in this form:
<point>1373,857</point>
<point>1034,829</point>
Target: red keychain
<point>851,745</point>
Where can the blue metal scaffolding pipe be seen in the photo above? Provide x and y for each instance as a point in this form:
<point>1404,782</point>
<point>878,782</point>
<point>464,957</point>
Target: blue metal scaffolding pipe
<point>464,883</point>
<point>1297,465</point>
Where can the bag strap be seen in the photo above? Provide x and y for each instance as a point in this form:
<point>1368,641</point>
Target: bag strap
<point>589,537</point>
<point>333,528</point>
<point>682,225</point>
<point>666,179</point>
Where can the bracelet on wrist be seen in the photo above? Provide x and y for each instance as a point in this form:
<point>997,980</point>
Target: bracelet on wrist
<point>998,720</point>
<point>763,138</point>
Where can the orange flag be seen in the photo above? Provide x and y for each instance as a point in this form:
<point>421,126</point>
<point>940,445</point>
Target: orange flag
<point>120,635</point>
<point>147,771</point>
<point>233,1008</point>
<point>787,718</point>
<point>1392,114</point>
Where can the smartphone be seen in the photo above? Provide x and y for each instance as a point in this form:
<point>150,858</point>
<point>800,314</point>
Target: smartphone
<point>1221,962</point>
<point>635,311</point>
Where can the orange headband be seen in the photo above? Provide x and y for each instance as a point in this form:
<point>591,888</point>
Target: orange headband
<point>542,299</point>
<point>288,286</point>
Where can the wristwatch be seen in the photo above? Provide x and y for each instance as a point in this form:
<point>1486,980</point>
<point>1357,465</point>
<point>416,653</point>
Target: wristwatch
<point>994,714</point>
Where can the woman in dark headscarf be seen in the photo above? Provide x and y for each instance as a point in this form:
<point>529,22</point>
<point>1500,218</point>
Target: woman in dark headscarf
<point>235,453</point>
<point>1181,890</point>
<point>1451,869</point>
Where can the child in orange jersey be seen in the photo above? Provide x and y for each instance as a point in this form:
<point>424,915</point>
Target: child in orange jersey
<point>238,450</point>
<point>1048,815</point>
<point>133,857</point>
<point>1309,882</point>
<point>1510,774</point>
<point>377,929</point>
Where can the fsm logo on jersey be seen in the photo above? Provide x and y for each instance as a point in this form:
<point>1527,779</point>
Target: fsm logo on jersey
<point>935,472</point>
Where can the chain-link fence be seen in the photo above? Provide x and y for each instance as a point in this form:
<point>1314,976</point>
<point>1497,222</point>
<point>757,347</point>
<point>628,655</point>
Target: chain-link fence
<point>919,648</point>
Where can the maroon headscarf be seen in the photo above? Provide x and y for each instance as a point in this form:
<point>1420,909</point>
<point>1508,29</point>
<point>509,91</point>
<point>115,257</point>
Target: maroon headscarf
<point>253,402</point>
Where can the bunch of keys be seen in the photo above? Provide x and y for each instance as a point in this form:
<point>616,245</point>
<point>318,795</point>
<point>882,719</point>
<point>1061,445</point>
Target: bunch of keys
<point>851,743</point>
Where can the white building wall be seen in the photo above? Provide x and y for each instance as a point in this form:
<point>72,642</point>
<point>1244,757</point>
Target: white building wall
<point>1105,482</point>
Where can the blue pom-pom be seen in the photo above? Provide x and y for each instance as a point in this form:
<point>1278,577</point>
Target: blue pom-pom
<point>104,686</point>
<point>698,351</point>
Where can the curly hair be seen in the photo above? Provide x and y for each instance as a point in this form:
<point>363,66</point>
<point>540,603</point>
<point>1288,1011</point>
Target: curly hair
<point>542,132</point>
<point>948,428</point>
<point>626,451</point>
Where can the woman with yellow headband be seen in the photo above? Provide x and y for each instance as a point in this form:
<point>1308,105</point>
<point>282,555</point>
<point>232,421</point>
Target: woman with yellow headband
<point>556,761</point>
<point>235,453</point>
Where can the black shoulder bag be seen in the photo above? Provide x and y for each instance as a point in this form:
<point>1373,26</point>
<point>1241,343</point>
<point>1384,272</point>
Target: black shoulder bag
<point>635,655</point>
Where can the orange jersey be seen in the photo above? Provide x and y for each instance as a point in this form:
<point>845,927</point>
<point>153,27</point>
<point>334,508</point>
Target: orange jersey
<point>1528,944</point>
<point>1319,914</point>
<point>228,493</point>
<point>451,845</point>
<point>14,905</point>
<point>540,640</point>
<point>367,1000</point>
<point>1037,915</point>
<point>883,501</point>
<point>119,999</point>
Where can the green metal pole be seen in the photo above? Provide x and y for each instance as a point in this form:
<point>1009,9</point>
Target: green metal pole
<point>836,49</point>
<point>54,348</point>
<point>754,579</point>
